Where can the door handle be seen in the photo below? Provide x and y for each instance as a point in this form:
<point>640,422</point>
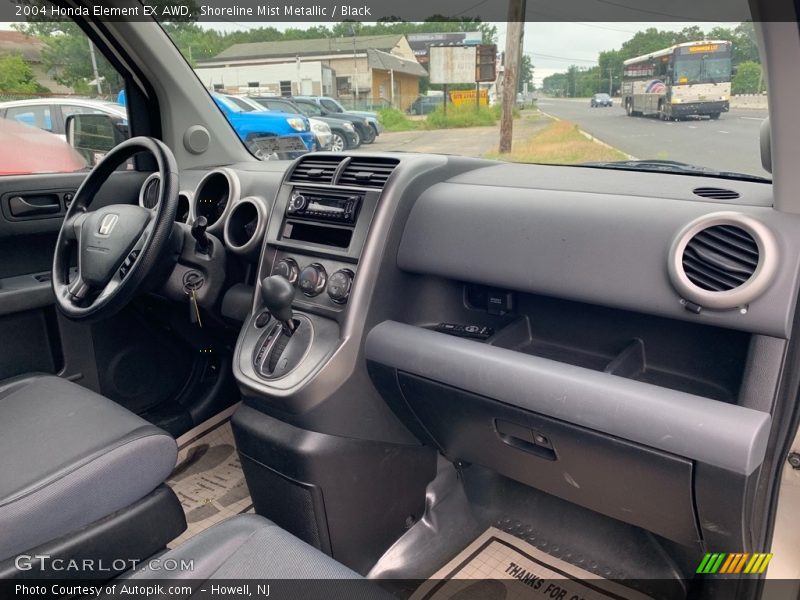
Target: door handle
<point>20,207</point>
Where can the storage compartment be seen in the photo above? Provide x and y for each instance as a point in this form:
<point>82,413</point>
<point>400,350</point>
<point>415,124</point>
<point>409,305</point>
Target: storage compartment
<point>324,235</point>
<point>697,359</point>
<point>621,479</point>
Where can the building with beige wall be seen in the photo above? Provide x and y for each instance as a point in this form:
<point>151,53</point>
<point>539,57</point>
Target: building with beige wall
<point>374,70</point>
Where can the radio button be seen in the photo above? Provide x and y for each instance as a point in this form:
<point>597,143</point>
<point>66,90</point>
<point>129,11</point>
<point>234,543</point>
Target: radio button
<point>339,286</point>
<point>312,279</point>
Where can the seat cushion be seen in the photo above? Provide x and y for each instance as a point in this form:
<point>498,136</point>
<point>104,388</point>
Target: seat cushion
<point>70,457</point>
<point>252,547</point>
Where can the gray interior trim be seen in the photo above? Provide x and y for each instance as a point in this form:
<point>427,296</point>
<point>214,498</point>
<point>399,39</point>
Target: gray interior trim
<point>602,249</point>
<point>724,435</point>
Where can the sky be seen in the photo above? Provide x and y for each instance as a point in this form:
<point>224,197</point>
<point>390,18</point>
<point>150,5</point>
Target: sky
<point>553,47</point>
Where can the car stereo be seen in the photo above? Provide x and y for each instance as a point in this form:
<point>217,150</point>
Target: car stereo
<point>323,206</point>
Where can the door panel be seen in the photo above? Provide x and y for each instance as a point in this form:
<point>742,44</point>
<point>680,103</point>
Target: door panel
<point>27,242</point>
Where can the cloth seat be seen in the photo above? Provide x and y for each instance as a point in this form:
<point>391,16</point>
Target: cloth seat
<point>252,547</point>
<point>69,458</point>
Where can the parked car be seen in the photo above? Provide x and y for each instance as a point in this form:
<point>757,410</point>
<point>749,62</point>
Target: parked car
<point>343,132</point>
<point>322,132</point>
<point>27,149</point>
<point>50,114</point>
<point>331,106</point>
<point>601,100</point>
<point>268,133</point>
<point>424,105</point>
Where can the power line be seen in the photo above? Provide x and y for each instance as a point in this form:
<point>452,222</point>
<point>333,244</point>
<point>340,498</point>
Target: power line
<point>552,56</point>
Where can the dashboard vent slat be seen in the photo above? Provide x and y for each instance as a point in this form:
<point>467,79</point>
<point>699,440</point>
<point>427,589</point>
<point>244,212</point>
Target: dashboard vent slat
<point>318,169</point>
<point>368,172</point>
<point>716,193</point>
<point>720,258</point>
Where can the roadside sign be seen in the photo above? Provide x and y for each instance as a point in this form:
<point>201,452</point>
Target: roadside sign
<point>461,97</point>
<point>453,64</point>
<point>486,63</point>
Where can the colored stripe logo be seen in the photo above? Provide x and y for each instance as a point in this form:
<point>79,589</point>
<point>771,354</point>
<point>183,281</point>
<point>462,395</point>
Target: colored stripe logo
<point>729,564</point>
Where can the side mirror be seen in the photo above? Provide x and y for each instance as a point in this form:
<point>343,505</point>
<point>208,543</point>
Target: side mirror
<point>94,135</point>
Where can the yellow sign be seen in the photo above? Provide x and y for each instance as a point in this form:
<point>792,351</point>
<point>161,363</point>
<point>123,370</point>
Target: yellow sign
<point>704,48</point>
<point>460,97</point>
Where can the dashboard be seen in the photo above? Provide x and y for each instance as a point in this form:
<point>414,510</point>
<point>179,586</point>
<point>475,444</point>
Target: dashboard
<point>488,309</point>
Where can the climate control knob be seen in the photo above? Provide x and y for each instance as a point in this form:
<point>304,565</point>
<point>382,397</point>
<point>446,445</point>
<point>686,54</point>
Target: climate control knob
<point>312,279</point>
<point>339,285</point>
<point>287,268</point>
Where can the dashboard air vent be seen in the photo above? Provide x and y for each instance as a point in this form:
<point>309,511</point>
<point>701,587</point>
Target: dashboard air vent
<point>723,261</point>
<point>368,172</point>
<point>720,258</point>
<point>150,192</point>
<point>716,193</point>
<point>318,169</point>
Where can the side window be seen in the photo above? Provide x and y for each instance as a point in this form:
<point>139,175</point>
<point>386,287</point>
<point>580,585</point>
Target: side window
<point>36,101</point>
<point>329,105</point>
<point>72,109</point>
<point>311,109</point>
<point>39,115</point>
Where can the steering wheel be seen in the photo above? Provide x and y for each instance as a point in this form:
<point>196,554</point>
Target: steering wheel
<point>117,245</point>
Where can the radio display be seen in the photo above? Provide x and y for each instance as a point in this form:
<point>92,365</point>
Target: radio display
<point>323,206</point>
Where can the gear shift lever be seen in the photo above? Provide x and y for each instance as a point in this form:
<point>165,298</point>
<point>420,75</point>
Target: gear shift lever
<point>278,294</point>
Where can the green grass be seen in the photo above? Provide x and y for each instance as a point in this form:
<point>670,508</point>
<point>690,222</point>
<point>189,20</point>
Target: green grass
<point>561,142</point>
<point>393,119</point>
<point>462,116</point>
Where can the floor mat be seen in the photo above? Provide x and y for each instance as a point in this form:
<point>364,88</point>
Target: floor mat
<point>209,481</point>
<point>499,566</point>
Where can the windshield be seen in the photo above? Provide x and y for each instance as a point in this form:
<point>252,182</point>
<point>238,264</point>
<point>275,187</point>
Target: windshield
<point>586,92</point>
<point>708,68</point>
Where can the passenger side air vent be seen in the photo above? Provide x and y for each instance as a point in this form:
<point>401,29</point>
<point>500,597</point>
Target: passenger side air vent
<point>716,193</point>
<point>317,169</point>
<point>723,260</point>
<point>720,258</point>
<point>368,172</point>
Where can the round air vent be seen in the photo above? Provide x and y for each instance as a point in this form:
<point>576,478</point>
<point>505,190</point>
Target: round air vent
<point>216,193</point>
<point>245,227</point>
<point>148,195</point>
<point>723,260</point>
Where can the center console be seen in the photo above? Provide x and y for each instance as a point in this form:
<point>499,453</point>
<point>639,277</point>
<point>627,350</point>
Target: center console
<point>323,455</point>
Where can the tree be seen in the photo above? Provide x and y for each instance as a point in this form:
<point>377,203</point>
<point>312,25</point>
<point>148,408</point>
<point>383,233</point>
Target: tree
<point>747,78</point>
<point>66,54</point>
<point>525,73</point>
<point>17,77</point>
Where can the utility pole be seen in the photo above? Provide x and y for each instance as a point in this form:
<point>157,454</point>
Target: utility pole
<point>94,69</point>
<point>355,70</point>
<point>514,29</point>
<point>610,79</point>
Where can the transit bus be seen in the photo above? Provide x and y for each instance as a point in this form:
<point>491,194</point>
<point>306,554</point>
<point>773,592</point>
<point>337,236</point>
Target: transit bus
<point>693,78</point>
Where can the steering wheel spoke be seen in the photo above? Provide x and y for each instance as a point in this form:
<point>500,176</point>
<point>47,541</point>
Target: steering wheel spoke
<point>78,290</point>
<point>72,226</point>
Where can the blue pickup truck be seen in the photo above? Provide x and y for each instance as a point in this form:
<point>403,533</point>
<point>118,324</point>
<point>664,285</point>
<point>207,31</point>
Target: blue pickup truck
<point>269,133</point>
<point>266,134</point>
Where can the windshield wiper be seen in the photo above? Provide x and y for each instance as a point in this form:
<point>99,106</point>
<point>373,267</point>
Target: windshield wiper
<point>672,166</point>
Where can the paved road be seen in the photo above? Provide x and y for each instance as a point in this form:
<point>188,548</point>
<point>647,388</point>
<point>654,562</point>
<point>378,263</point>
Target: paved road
<point>731,143</point>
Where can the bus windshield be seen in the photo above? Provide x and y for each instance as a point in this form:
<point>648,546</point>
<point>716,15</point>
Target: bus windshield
<point>708,68</point>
